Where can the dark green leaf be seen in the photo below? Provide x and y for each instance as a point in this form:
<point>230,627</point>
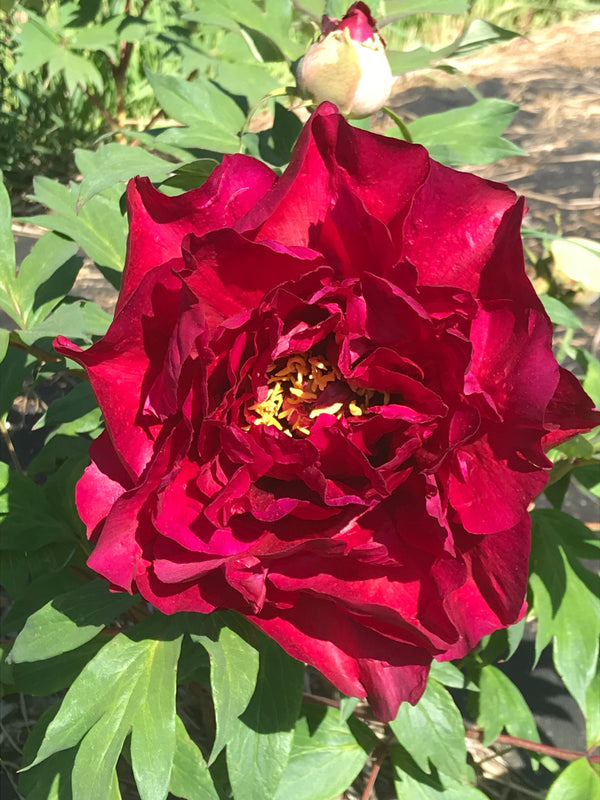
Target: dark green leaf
<point>432,731</point>
<point>69,621</point>
<point>52,779</point>
<point>43,678</point>
<point>589,477</point>
<point>192,175</point>
<point>12,369</point>
<point>327,755</point>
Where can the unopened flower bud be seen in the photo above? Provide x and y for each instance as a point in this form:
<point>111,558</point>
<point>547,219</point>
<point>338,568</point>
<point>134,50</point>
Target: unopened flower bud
<point>347,65</point>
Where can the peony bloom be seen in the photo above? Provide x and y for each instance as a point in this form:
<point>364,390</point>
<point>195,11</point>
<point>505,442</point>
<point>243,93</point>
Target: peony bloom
<point>347,65</point>
<point>327,397</point>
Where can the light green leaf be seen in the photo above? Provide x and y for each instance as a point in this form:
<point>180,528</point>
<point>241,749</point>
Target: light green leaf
<point>579,781</point>
<point>469,135</point>
<point>81,320</point>
<point>130,684</point>
<point>478,34</point>
<point>99,228</point>
<point>559,313</point>
<point>347,706</point>
<point>411,783</point>
<point>211,115</point>
<point>397,9</point>
<point>77,70</point>
<point>327,755</point>
<point>45,277</point>
<point>593,712</point>
<point>4,337</point>
<point>402,61</point>
<point>432,731</point>
<point>190,778</point>
<point>566,597</point>
<point>447,673</point>
<point>501,705</point>
<point>52,779</point>
<point>258,754</point>
<point>8,264</point>
<point>115,163</point>
<point>69,621</point>
<point>37,44</point>
<point>153,737</point>
<point>233,673</point>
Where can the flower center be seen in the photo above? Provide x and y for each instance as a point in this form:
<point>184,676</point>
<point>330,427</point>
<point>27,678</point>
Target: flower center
<point>301,388</point>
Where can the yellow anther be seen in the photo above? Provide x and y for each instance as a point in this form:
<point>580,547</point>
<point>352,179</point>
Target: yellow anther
<point>302,394</point>
<point>332,409</point>
<point>355,410</point>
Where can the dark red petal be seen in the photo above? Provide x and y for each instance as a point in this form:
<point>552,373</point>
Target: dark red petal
<point>158,222</point>
<point>123,364</point>
<point>329,154</point>
<point>569,412</point>
<point>450,231</point>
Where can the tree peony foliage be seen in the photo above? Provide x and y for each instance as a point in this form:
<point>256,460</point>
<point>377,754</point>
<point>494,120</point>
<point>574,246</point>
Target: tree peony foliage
<point>327,397</point>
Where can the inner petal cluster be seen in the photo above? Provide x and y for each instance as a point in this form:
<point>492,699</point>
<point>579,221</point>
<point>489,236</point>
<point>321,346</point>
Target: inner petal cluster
<point>301,387</point>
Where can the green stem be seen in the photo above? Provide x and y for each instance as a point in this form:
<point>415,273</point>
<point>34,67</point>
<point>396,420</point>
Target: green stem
<point>401,125</point>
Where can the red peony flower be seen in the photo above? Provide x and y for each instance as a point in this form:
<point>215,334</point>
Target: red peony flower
<point>326,399</point>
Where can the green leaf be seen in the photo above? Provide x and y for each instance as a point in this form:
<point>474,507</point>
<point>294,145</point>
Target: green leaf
<point>579,781</point>
<point>559,313</point>
<point>233,673</point>
<point>432,731</point>
<point>327,755</point>
<point>46,275</point>
<point>37,44</point>
<point>190,778</point>
<point>153,737</point>
<point>566,597</point>
<point>99,228</point>
<point>80,319</point>
<point>402,61</point>
<point>258,754</point>
<point>192,175</point>
<point>69,621</point>
<point>12,373</point>
<point>43,678</point>
<point>589,477</point>
<point>501,705</point>
<point>212,117</point>
<point>347,706</point>
<point>591,382</point>
<point>593,712</point>
<point>4,339</point>
<point>8,263</point>
<point>469,135</point>
<point>129,685</point>
<point>115,163</point>
<point>450,675</point>
<point>397,9</point>
<point>52,779</point>
<point>411,783</point>
<point>78,70</point>
<point>478,34</point>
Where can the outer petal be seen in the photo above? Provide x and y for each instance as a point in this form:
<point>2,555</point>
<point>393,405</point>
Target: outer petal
<point>124,363</point>
<point>329,154</point>
<point>158,223</point>
<point>354,658</point>
<point>569,412</point>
